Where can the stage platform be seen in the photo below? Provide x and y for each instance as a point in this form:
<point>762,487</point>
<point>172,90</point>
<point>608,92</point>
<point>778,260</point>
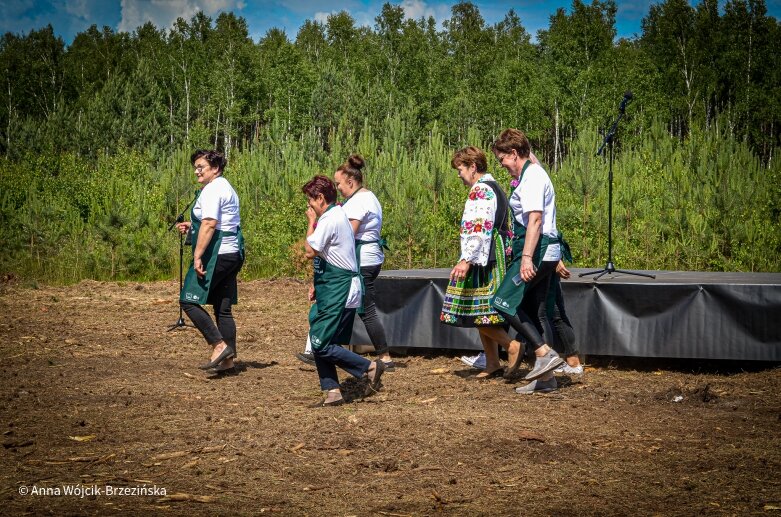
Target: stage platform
<point>679,314</point>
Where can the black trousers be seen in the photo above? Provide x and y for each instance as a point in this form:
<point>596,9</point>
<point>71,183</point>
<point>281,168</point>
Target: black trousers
<point>370,319</point>
<point>531,320</point>
<point>564,334</point>
<point>223,289</point>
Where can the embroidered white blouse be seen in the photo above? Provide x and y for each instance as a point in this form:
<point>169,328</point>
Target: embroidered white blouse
<point>477,222</point>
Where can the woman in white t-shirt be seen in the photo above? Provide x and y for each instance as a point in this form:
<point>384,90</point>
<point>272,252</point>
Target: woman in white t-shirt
<point>336,291</point>
<point>218,254</point>
<point>536,252</point>
<point>365,213</point>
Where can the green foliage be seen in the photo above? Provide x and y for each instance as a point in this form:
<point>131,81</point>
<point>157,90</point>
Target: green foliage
<point>65,219</point>
<point>95,137</point>
<point>205,81</point>
<point>706,203</point>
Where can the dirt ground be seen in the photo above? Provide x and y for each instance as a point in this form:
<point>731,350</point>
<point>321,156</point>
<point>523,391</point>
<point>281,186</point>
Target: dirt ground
<point>97,395</point>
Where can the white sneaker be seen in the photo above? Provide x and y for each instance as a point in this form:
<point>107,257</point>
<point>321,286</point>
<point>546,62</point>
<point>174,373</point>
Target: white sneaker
<point>566,369</point>
<point>474,361</point>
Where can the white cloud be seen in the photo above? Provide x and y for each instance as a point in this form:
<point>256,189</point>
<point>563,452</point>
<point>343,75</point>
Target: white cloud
<point>364,18</point>
<point>322,17</point>
<point>78,8</point>
<point>304,7</point>
<point>414,9</point>
<point>163,13</point>
<point>361,18</point>
<point>216,5</point>
<point>417,9</point>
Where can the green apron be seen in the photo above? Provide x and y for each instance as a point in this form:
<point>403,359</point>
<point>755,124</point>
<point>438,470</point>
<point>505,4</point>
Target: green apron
<point>510,293</point>
<point>332,287</point>
<point>195,289</point>
<point>358,243</point>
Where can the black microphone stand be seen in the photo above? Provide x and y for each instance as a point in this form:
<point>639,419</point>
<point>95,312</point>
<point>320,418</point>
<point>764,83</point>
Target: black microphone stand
<point>180,323</point>
<point>609,137</point>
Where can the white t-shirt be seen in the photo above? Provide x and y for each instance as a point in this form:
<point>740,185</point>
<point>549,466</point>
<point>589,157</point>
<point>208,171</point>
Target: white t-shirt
<point>333,240</point>
<point>535,193</point>
<point>365,207</point>
<point>219,201</point>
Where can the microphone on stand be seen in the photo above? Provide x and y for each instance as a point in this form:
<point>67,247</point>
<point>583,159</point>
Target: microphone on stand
<point>627,97</point>
<point>188,240</point>
<point>180,217</point>
<point>183,240</point>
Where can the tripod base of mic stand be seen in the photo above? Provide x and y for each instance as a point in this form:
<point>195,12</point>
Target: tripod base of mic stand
<point>180,323</point>
<point>610,269</point>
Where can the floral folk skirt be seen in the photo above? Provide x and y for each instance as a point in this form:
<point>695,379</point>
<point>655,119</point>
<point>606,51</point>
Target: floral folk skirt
<point>468,301</point>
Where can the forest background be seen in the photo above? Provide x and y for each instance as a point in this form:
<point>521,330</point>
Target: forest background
<point>95,136</point>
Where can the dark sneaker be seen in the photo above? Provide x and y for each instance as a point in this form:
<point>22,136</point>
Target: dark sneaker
<point>538,386</point>
<point>306,358</point>
<point>544,364</point>
<point>374,380</point>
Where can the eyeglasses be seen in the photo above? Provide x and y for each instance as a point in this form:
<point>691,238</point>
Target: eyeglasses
<point>200,168</point>
<point>501,156</point>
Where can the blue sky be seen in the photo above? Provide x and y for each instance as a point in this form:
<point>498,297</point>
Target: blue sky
<point>68,17</point>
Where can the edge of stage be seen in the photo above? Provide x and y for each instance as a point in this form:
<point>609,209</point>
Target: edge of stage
<point>679,314</point>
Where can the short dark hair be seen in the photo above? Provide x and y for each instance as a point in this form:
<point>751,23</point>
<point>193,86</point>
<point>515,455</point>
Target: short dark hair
<point>511,139</point>
<point>352,167</point>
<point>468,156</point>
<point>214,158</point>
<point>320,185</point>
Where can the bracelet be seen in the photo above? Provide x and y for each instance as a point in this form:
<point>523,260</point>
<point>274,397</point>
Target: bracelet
<point>526,255</point>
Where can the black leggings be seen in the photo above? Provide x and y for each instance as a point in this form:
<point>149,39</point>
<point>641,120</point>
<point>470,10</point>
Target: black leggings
<point>223,289</point>
<point>564,333</point>
<point>532,330</point>
<point>373,326</point>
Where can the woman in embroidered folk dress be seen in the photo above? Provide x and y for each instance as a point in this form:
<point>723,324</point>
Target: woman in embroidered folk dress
<point>481,266</point>
<point>536,253</point>
<point>365,213</point>
<point>336,291</point>
<point>218,254</point>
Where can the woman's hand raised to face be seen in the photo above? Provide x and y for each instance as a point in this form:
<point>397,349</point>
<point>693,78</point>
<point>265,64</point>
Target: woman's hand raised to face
<point>311,216</point>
